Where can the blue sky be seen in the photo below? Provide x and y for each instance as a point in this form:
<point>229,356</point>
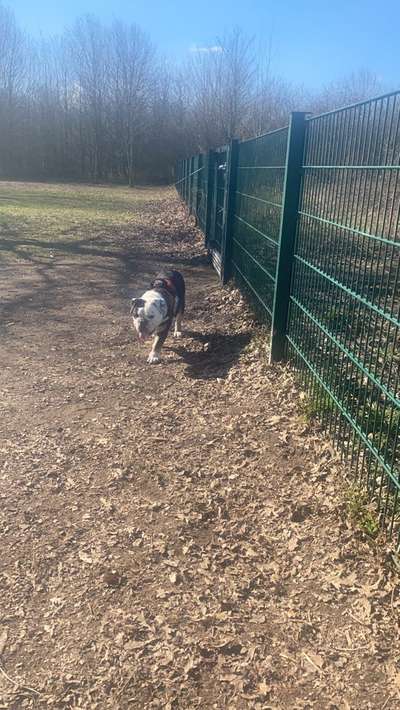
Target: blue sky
<point>313,42</point>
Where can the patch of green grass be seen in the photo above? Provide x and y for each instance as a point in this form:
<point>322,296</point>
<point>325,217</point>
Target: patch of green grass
<point>377,419</point>
<point>381,423</point>
<point>37,216</point>
<point>361,511</point>
<point>315,405</point>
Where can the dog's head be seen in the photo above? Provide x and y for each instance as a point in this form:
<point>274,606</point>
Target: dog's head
<point>148,313</point>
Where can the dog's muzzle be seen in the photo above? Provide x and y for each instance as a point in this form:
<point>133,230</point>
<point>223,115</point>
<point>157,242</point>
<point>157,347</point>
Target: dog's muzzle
<point>143,332</point>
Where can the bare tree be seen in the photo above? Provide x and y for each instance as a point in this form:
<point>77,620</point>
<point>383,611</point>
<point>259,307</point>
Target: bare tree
<point>273,101</point>
<point>220,79</point>
<point>89,52</point>
<point>99,103</point>
<point>13,58</point>
<point>131,79</point>
<point>357,86</point>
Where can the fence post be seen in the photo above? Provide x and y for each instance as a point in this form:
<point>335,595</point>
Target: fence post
<point>196,164</point>
<point>200,181</point>
<point>209,188</point>
<point>287,233</point>
<point>180,170</point>
<point>231,177</point>
<point>187,171</point>
<point>190,178</point>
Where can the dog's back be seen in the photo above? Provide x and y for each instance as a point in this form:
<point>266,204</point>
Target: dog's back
<point>173,281</point>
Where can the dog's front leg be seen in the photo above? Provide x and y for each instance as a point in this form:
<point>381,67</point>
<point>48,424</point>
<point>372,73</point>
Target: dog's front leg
<point>158,342</point>
<point>154,355</point>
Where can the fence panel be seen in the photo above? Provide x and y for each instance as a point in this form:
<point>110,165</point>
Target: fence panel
<point>191,184</point>
<point>343,328</point>
<point>256,222</point>
<point>217,195</point>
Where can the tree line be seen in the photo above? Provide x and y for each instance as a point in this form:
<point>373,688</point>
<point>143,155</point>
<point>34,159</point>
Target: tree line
<point>100,103</point>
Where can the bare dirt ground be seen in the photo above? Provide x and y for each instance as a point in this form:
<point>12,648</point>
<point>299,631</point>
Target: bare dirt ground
<point>172,536</point>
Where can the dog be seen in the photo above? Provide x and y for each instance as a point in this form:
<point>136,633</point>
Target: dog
<point>153,313</point>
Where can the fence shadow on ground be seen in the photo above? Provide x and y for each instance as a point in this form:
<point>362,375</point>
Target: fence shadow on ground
<point>219,353</point>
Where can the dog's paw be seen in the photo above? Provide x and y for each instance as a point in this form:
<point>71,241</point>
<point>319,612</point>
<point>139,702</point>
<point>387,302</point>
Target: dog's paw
<point>153,358</point>
<point>177,334</point>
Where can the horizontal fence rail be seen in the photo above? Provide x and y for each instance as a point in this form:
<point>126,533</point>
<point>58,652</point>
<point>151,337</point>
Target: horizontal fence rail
<point>307,221</point>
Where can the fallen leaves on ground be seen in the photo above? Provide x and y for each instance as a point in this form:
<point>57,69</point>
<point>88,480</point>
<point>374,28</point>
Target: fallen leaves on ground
<point>175,536</point>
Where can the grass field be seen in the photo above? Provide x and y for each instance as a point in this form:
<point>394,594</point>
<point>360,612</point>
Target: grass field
<point>37,216</point>
<point>172,536</point>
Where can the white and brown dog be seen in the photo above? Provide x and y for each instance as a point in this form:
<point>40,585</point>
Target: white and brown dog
<point>154,312</point>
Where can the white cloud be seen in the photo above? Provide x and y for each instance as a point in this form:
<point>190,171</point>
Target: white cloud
<point>206,50</point>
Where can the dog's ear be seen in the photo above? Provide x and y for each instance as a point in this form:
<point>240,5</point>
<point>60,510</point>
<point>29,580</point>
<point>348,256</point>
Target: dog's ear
<point>136,303</point>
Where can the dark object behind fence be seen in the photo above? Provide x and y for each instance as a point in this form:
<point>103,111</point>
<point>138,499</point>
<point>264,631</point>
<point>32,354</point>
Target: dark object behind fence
<point>306,219</point>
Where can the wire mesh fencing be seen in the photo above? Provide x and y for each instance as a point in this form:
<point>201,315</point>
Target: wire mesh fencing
<point>306,219</point>
<point>343,325</point>
<point>258,206</point>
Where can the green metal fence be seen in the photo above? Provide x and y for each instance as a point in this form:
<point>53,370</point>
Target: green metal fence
<point>306,219</point>
<point>258,207</point>
<point>343,327</point>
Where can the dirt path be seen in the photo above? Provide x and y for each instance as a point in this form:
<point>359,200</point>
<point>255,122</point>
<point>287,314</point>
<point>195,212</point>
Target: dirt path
<point>172,536</point>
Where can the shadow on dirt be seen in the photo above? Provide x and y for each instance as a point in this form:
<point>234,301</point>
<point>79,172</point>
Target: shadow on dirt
<point>59,269</point>
<point>181,259</point>
<point>24,248</point>
<point>220,351</point>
